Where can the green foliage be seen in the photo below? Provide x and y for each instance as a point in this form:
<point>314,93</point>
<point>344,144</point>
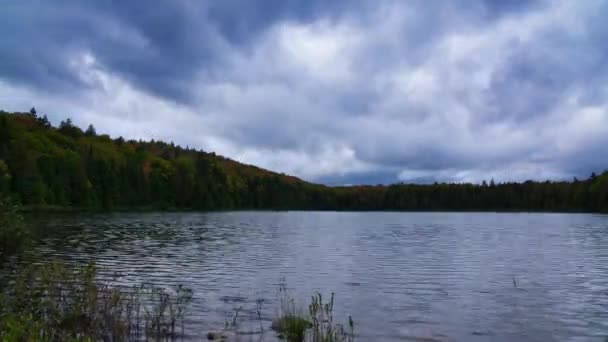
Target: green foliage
<point>5,177</point>
<point>46,166</point>
<point>292,324</point>
<point>13,233</point>
<point>58,302</point>
<point>90,132</point>
<point>67,128</point>
<point>291,327</point>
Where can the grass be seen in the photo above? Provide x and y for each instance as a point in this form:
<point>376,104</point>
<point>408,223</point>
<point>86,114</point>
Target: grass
<point>317,325</point>
<point>61,303</point>
<point>290,322</point>
<point>291,327</point>
<point>324,329</point>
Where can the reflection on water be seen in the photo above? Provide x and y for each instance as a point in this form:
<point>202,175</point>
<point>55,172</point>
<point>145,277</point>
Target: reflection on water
<point>442,276</point>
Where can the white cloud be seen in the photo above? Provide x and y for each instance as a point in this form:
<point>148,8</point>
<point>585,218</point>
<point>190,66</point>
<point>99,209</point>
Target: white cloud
<point>462,99</point>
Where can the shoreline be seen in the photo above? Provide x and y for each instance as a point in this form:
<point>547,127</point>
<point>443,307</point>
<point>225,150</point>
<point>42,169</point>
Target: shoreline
<point>63,209</point>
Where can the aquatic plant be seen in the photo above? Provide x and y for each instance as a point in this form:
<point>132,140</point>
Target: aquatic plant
<point>323,327</point>
<point>59,302</point>
<point>290,322</point>
<point>317,325</point>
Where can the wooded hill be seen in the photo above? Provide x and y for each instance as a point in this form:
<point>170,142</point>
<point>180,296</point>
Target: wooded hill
<point>44,166</point>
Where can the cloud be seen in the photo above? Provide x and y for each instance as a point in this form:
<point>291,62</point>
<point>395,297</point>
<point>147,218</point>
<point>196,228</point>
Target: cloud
<point>352,92</point>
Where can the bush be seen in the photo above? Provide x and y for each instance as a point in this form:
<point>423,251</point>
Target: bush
<point>13,233</point>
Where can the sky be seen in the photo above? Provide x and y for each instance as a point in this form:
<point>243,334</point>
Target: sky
<point>336,92</point>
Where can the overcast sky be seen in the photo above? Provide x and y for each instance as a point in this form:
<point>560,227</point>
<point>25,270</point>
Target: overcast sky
<point>339,92</point>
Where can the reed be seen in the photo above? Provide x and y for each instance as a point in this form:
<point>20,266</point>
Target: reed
<point>57,302</point>
<point>317,325</point>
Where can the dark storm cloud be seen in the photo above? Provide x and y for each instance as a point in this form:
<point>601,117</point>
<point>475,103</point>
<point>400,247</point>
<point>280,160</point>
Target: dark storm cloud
<point>342,92</point>
<point>159,47</point>
<point>252,17</point>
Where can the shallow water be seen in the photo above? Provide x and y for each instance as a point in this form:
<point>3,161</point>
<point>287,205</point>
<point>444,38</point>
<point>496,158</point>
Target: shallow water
<point>439,276</point>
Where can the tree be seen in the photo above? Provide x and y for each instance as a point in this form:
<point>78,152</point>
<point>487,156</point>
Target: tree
<point>66,123</point>
<point>33,111</point>
<point>44,122</point>
<point>67,128</point>
<point>90,132</point>
<point>26,180</point>
<point>57,167</point>
<point>5,136</point>
<point>5,177</point>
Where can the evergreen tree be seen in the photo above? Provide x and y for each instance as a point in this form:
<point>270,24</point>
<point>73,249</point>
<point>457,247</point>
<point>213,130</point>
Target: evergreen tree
<point>44,121</point>
<point>90,132</point>
<point>40,165</point>
<point>67,128</point>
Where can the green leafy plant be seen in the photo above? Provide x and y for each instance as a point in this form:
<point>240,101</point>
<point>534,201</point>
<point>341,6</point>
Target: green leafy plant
<point>13,232</point>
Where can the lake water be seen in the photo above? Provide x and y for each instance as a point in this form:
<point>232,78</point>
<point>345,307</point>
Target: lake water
<point>402,276</point>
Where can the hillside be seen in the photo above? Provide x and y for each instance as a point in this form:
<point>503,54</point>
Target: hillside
<point>64,166</point>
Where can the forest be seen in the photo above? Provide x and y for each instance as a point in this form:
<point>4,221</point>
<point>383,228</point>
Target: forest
<point>66,167</point>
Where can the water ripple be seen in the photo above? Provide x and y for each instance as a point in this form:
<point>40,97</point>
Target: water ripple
<point>402,276</point>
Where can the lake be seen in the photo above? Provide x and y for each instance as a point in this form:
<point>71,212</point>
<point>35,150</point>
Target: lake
<point>437,276</point>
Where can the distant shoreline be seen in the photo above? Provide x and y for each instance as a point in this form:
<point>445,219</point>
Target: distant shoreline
<point>66,169</point>
<point>60,209</point>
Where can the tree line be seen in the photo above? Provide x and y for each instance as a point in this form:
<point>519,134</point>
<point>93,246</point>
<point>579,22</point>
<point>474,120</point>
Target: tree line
<point>65,166</point>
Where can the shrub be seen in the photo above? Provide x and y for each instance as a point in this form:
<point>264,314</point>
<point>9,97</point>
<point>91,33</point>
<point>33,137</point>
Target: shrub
<point>13,233</point>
